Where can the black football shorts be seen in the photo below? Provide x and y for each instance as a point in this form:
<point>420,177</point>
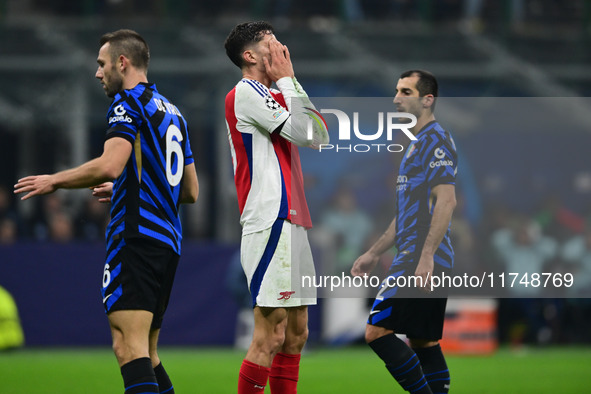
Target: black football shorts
<point>138,275</point>
<point>406,309</point>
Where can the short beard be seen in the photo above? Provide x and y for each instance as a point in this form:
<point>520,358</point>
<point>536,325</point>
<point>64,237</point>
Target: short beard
<point>115,86</point>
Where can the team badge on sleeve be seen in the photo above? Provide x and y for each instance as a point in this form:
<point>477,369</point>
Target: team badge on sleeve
<point>271,103</point>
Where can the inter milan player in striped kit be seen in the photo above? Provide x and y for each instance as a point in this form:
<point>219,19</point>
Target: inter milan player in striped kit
<point>147,156</point>
<point>265,126</point>
<point>425,200</point>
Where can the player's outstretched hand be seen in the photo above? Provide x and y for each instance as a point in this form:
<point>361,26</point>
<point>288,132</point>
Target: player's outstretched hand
<point>278,64</point>
<point>364,264</point>
<point>104,191</point>
<point>34,185</point>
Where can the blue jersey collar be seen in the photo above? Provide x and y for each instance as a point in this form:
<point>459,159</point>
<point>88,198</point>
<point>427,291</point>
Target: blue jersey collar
<point>426,128</point>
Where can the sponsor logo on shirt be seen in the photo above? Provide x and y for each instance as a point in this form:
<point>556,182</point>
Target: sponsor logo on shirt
<point>441,163</point>
<point>120,115</point>
<point>401,182</point>
<point>440,154</point>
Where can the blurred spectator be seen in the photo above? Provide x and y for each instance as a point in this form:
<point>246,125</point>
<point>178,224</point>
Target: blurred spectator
<point>349,226</point>
<point>10,223</point>
<point>61,227</point>
<point>52,222</point>
<point>557,221</point>
<point>92,222</point>
<point>8,231</point>
<point>523,250</point>
<point>5,202</point>
<point>513,12</point>
<point>577,253</point>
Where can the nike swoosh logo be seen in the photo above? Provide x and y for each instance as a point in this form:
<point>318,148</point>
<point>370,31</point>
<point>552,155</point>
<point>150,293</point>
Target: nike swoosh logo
<point>372,312</point>
<point>105,299</point>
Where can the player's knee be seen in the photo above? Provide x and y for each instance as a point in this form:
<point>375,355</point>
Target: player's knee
<point>295,341</point>
<point>372,333</point>
<point>270,343</point>
<point>128,350</point>
<point>303,336</point>
<point>120,350</point>
<point>422,343</point>
<point>277,340</point>
<point>369,337</point>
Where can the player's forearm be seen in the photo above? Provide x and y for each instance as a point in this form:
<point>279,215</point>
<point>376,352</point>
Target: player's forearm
<point>385,242</point>
<point>300,107</point>
<point>442,213</point>
<point>89,174</point>
<point>190,185</point>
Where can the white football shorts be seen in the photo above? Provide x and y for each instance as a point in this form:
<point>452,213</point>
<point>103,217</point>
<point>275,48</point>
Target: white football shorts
<point>274,261</point>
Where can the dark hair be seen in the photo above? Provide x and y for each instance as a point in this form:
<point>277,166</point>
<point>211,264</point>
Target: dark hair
<point>244,35</point>
<point>129,44</point>
<point>427,83</point>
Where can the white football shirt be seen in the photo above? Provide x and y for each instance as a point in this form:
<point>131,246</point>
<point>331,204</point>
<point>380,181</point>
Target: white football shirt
<point>267,169</point>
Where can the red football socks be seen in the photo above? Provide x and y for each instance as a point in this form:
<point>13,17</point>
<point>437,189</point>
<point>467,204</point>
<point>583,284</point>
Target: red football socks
<point>284,374</point>
<point>252,378</point>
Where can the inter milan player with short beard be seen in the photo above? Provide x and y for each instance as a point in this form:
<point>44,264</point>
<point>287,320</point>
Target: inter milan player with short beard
<point>265,127</point>
<point>425,200</point>
<point>148,158</point>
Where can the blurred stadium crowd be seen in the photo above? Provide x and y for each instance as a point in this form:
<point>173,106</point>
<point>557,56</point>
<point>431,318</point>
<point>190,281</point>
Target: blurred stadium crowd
<point>473,14</point>
<point>546,40</point>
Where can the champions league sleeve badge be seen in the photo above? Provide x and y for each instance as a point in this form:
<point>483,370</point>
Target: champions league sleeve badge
<point>271,103</point>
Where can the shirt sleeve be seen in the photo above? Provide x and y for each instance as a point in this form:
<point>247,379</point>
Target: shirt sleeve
<point>255,105</point>
<point>440,161</point>
<point>123,121</point>
<point>188,152</point>
<point>305,126</point>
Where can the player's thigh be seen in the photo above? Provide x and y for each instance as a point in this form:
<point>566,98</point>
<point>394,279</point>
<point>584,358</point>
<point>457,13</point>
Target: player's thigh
<point>268,319</point>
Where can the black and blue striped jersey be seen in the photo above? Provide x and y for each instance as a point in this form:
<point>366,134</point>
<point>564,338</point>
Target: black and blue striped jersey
<point>145,201</point>
<point>429,161</point>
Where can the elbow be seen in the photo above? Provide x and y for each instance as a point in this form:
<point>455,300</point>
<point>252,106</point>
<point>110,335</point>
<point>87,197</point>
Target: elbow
<point>191,195</point>
<point>194,196</point>
<point>452,203</point>
<point>306,144</point>
<point>317,142</point>
<point>190,198</point>
<point>110,172</point>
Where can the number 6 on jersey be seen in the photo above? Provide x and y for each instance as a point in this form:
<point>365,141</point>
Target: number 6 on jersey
<point>174,147</point>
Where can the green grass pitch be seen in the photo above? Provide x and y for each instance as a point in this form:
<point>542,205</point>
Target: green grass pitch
<point>324,371</point>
